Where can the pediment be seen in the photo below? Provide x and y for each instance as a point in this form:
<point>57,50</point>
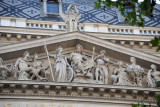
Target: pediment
<point>69,40</point>
<point>80,85</point>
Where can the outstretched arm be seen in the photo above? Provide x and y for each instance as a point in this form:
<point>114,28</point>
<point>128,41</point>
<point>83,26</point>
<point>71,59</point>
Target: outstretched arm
<point>16,64</point>
<point>77,12</point>
<point>106,59</point>
<point>53,56</point>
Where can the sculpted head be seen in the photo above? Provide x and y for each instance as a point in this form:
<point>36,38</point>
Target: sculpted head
<point>133,60</point>
<point>79,48</point>
<point>59,49</point>
<point>1,61</point>
<point>153,67</point>
<point>120,63</point>
<point>103,52</point>
<point>35,56</point>
<point>26,54</point>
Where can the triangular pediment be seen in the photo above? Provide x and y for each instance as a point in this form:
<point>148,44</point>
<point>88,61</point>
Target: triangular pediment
<point>69,40</point>
<point>80,83</point>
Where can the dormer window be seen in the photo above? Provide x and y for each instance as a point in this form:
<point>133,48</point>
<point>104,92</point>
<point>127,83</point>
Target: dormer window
<point>51,8</point>
<point>127,8</point>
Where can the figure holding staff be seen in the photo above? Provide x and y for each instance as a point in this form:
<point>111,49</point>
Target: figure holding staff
<point>45,47</point>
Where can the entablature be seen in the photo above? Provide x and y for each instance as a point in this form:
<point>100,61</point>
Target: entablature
<point>77,92</point>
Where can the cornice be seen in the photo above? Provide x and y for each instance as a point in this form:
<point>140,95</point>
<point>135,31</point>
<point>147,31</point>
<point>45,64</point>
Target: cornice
<point>76,92</point>
<point>82,37</point>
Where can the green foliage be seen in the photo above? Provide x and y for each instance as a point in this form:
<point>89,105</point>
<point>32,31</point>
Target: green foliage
<point>158,96</point>
<point>141,105</point>
<point>145,8</point>
<point>158,84</point>
<point>156,42</point>
<point>134,17</point>
<point>158,100</point>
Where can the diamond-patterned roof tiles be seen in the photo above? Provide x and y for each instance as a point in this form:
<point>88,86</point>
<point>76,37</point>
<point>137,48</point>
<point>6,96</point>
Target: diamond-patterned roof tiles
<point>31,9</point>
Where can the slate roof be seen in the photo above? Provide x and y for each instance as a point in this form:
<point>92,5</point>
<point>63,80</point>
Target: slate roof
<point>31,9</point>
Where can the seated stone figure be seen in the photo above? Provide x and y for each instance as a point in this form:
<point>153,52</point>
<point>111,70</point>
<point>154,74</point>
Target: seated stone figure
<point>3,70</point>
<point>120,76</point>
<point>82,66</point>
<point>79,61</point>
<point>41,73</point>
<point>153,76</point>
<point>135,72</point>
<point>23,68</point>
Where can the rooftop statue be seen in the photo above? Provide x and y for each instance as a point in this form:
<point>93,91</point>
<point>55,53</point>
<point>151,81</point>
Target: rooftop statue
<point>153,76</point>
<point>72,18</point>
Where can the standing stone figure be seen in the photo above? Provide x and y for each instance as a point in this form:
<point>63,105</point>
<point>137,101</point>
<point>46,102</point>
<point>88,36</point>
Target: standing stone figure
<point>99,75</point>
<point>101,67</point>
<point>153,76</point>
<point>72,18</point>
<point>120,76</point>
<point>135,72</point>
<point>3,70</point>
<point>62,69</point>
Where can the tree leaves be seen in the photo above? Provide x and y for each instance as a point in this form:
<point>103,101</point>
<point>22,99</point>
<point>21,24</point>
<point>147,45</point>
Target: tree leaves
<point>133,17</point>
<point>140,105</point>
<point>156,42</point>
<point>145,8</point>
<point>158,100</point>
<point>97,5</point>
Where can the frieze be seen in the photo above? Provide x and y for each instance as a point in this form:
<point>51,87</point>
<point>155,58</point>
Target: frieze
<point>80,68</point>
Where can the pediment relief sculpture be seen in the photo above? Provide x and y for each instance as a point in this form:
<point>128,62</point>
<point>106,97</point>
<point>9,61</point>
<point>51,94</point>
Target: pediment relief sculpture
<point>62,69</point>
<point>153,76</point>
<point>79,67</point>
<point>101,68</point>
<point>130,75</point>
<point>25,70</point>
<point>4,70</point>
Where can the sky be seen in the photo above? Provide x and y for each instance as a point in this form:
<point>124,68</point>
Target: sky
<point>157,1</point>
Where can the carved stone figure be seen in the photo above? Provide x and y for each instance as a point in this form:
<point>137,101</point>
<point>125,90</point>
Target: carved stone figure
<point>38,69</point>
<point>72,18</point>
<point>23,68</point>
<point>62,69</point>
<point>4,70</point>
<point>120,76</point>
<point>101,72</point>
<point>82,66</point>
<point>79,61</point>
<point>153,76</point>
<point>135,72</point>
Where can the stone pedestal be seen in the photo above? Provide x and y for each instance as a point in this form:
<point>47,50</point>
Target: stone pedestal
<point>83,79</point>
